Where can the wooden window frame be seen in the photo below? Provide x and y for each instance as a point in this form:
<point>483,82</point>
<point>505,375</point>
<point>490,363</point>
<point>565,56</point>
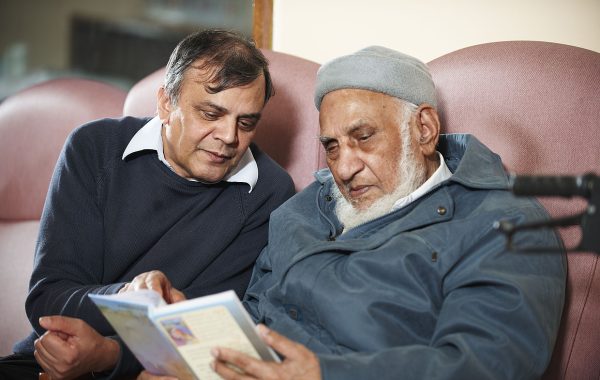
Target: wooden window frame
<point>262,23</point>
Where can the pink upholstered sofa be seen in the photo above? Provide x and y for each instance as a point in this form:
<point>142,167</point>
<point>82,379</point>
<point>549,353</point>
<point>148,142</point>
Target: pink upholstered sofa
<point>33,127</point>
<point>535,103</point>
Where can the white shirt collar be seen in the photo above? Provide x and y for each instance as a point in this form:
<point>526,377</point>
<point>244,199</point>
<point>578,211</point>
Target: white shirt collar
<point>149,138</point>
<point>440,175</point>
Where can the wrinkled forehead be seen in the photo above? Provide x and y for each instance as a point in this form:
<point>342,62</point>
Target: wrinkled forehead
<point>344,111</point>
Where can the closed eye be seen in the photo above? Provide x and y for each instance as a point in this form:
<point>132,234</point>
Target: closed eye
<point>331,147</point>
<point>249,123</point>
<point>209,111</point>
<point>210,116</point>
<point>246,125</point>
<point>327,142</point>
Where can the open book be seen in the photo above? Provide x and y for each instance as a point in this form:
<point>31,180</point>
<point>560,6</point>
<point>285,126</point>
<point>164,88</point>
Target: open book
<point>176,339</point>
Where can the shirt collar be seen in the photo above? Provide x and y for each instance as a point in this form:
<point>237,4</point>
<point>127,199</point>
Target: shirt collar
<point>149,138</point>
<point>440,175</point>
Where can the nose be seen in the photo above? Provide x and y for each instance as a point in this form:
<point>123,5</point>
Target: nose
<point>348,164</point>
<point>227,131</point>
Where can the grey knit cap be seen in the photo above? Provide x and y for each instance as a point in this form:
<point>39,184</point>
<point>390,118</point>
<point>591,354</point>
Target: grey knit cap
<point>378,69</point>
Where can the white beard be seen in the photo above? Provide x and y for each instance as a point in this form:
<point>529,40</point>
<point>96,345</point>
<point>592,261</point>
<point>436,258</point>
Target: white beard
<point>411,174</point>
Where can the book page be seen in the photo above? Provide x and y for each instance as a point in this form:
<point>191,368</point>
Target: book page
<point>128,315</point>
<point>196,332</point>
<point>144,297</point>
<point>176,339</point>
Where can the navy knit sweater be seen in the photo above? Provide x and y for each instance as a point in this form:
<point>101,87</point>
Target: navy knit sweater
<point>107,220</point>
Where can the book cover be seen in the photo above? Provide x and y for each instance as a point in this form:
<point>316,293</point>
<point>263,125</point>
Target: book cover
<point>176,339</point>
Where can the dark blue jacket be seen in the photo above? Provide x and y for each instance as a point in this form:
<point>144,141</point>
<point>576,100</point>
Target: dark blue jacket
<point>426,292</point>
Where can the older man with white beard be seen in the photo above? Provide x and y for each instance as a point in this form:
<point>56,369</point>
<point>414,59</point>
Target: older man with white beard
<point>388,266</point>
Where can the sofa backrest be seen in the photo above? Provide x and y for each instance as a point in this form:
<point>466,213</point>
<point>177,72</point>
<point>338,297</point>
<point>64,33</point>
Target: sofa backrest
<point>289,126</point>
<point>34,124</point>
<point>537,105</point>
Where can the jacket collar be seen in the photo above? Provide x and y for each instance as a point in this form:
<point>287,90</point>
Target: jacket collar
<point>473,164</point>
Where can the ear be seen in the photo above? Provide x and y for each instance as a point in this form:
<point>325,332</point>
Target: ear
<point>428,129</point>
<point>164,105</point>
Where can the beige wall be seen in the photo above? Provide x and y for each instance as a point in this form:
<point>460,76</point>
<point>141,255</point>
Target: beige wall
<point>323,29</point>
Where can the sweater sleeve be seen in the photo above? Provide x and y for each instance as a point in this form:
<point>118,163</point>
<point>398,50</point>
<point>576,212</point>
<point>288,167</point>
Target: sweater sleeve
<point>69,253</point>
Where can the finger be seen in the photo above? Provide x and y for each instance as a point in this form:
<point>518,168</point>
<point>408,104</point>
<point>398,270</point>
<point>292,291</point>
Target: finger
<point>58,323</point>
<point>177,296</point>
<point>47,367</point>
<point>57,347</point>
<point>248,365</point>
<point>55,350</point>
<point>281,344</point>
<point>125,288</point>
<point>49,361</point>
<point>61,335</point>
<point>65,337</point>
<point>159,282</point>
<point>41,353</point>
<point>226,372</point>
<point>138,282</point>
<point>48,371</point>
